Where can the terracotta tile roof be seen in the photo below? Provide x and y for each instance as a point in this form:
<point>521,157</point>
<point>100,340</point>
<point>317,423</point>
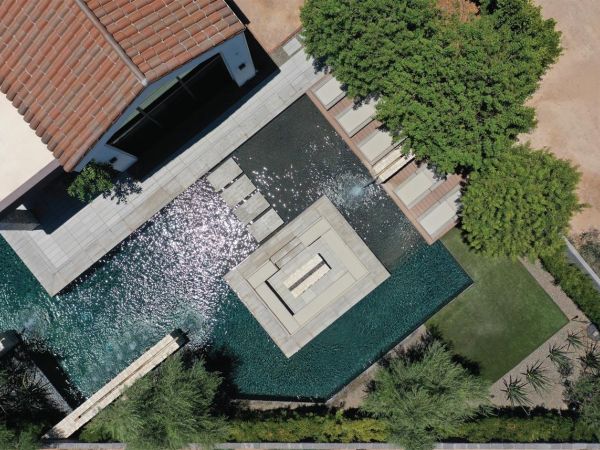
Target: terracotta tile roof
<point>71,68</point>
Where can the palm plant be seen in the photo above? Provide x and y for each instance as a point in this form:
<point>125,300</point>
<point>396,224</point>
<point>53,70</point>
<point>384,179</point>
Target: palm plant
<point>558,356</point>
<point>574,340</point>
<point>515,392</point>
<point>536,376</point>
<point>590,360</point>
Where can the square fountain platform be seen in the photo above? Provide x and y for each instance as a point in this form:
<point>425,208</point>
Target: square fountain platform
<point>306,276</point>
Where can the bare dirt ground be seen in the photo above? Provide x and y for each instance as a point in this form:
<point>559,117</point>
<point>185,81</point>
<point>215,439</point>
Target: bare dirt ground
<point>568,100</point>
<point>272,22</point>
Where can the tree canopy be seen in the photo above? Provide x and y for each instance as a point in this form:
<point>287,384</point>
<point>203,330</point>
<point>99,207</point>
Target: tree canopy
<point>426,399</point>
<point>520,204</point>
<point>455,89</point>
<point>169,408</point>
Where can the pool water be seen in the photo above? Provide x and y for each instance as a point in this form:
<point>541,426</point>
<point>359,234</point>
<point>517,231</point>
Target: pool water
<point>169,274</point>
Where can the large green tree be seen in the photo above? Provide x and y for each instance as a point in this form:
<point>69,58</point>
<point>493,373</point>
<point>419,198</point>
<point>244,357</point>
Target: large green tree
<point>520,204</point>
<point>424,400</point>
<point>455,89</point>
<point>169,408</point>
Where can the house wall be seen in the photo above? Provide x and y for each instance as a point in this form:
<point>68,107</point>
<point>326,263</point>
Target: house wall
<point>235,54</point>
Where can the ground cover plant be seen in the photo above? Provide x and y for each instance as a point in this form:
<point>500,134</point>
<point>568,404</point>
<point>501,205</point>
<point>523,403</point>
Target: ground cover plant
<point>455,87</point>
<point>501,318</point>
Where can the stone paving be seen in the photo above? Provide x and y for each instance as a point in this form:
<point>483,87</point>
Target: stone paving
<point>58,258</point>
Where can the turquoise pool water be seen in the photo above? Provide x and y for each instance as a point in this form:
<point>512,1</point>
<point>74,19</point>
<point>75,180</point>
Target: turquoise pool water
<point>169,274</point>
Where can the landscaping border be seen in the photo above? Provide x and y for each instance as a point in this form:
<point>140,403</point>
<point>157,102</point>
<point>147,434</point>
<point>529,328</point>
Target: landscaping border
<point>357,446</point>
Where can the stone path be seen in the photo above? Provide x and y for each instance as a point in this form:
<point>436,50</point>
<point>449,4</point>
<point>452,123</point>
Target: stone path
<point>578,323</point>
<point>58,258</point>
<point>248,204</point>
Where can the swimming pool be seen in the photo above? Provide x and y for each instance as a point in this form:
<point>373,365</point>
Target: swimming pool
<point>169,274</point>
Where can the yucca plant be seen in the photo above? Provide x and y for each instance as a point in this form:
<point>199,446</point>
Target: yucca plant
<point>574,340</point>
<point>559,356</point>
<point>515,392</point>
<point>590,360</point>
<point>536,376</point>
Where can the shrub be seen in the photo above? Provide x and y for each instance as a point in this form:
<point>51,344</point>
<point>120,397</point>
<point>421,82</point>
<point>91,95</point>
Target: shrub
<point>167,409</point>
<point>584,395</point>
<point>520,204</point>
<point>95,179</point>
<point>425,399</point>
<point>576,284</point>
<point>546,428</point>
<point>290,426</point>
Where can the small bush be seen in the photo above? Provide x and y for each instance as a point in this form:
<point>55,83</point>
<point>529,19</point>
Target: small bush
<point>550,428</point>
<point>576,284</point>
<point>95,179</point>
<point>291,426</point>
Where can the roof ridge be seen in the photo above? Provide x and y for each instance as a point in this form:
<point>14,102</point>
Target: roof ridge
<point>112,42</point>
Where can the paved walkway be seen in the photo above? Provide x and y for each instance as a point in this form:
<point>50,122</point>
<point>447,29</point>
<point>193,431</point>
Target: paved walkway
<point>58,258</point>
<point>578,323</point>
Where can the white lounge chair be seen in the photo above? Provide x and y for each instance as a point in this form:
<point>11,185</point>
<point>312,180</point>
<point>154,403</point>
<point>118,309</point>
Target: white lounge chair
<point>442,213</point>
<point>417,186</point>
<point>355,118</point>
<point>330,93</point>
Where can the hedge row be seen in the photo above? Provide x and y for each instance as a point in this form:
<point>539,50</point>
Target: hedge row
<point>576,284</point>
<point>338,428</point>
<point>297,427</point>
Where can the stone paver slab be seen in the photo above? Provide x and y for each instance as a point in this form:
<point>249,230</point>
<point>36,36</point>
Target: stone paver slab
<point>238,191</point>
<point>251,208</point>
<point>265,225</point>
<point>224,174</point>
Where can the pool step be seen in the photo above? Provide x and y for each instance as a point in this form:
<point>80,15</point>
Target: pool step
<point>248,204</point>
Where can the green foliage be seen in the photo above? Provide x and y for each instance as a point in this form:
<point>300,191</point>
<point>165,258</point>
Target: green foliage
<point>515,391</point>
<point>558,355</point>
<point>95,179</point>
<point>455,90</point>
<point>7,437</point>
<point>167,409</point>
<point>293,426</point>
<point>521,204</point>
<point>576,284</point>
<point>544,428</point>
<point>25,408</point>
<point>536,377</point>
<point>584,395</point>
<point>423,400</point>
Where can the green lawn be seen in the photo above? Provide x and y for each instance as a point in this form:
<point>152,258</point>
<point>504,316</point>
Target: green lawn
<point>501,318</point>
